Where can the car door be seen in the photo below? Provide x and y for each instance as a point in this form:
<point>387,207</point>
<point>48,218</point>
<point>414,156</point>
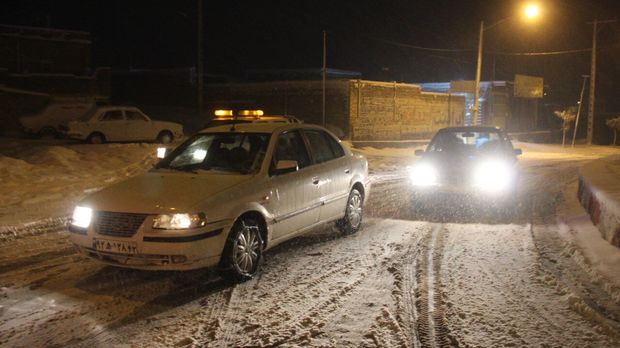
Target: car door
<point>297,195</point>
<point>139,127</point>
<point>113,125</point>
<point>333,170</point>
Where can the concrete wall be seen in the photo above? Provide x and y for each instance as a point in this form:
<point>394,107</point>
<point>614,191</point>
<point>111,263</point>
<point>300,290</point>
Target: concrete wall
<point>302,99</point>
<point>43,50</point>
<point>355,109</point>
<point>391,111</point>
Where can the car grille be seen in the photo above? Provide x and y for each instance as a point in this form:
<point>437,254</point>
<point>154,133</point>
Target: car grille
<point>118,224</point>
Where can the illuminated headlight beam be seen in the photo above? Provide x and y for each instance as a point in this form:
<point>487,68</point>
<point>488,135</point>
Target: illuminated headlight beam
<point>81,217</point>
<point>493,176</point>
<point>423,174</point>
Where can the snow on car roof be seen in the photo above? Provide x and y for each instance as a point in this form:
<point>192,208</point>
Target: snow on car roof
<point>257,127</point>
<point>470,129</point>
<point>116,107</point>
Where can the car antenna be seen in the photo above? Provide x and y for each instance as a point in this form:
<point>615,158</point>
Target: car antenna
<point>234,121</point>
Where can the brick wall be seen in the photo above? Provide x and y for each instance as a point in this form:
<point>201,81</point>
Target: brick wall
<point>391,111</point>
<point>358,109</point>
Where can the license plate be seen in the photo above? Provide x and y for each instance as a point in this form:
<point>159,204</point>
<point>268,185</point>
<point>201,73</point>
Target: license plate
<point>114,246</point>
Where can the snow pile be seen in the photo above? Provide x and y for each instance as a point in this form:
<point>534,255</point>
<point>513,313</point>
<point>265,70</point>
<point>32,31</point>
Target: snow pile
<point>599,193</point>
<point>40,180</point>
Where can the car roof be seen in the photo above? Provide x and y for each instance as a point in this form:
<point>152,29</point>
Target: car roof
<point>116,107</point>
<point>485,129</point>
<point>268,127</point>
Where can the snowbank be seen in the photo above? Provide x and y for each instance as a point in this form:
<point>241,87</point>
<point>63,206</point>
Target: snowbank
<point>599,194</point>
<point>40,181</point>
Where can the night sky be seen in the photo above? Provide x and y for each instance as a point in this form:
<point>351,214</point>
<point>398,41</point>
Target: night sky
<point>372,37</point>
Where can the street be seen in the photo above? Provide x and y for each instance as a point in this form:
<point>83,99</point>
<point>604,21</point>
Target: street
<point>455,276</point>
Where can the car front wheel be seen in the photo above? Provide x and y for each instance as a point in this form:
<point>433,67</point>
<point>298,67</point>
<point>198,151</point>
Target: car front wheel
<point>352,219</point>
<point>243,252</point>
<point>165,137</point>
<point>96,138</point>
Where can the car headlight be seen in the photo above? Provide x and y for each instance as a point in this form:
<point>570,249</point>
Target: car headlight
<point>493,176</point>
<point>423,174</point>
<point>81,217</point>
<point>179,221</point>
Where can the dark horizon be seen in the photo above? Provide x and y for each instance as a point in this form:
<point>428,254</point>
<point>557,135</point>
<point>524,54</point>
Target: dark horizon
<point>368,37</point>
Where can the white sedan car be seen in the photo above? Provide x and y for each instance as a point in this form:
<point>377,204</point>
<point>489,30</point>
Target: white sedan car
<point>121,123</point>
<point>223,197</point>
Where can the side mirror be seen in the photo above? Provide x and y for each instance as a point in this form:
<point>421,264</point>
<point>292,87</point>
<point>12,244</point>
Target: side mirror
<point>419,152</point>
<point>518,152</point>
<point>285,166</point>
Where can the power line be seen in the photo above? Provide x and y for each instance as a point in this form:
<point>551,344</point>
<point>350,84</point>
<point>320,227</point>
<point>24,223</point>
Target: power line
<point>432,49</point>
<point>530,54</point>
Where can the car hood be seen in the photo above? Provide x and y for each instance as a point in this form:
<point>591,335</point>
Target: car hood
<point>162,192</point>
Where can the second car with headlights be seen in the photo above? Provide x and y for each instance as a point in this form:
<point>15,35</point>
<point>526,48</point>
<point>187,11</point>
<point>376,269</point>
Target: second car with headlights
<point>223,197</point>
<point>479,162</point>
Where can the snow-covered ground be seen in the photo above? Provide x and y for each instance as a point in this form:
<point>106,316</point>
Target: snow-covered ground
<point>542,278</point>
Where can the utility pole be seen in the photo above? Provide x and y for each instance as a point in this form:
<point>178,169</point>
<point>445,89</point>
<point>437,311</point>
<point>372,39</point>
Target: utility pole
<point>592,85</point>
<point>583,89</point>
<point>324,70</point>
<point>593,80</point>
<point>199,62</point>
<point>474,120</point>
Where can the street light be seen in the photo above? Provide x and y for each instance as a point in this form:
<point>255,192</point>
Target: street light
<point>530,11</point>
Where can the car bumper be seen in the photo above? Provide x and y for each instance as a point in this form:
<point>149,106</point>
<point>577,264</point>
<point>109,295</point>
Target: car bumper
<point>448,191</point>
<point>156,250</point>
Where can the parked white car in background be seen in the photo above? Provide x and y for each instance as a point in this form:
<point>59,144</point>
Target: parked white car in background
<point>51,120</point>
<point>122,123</point>
<point>223,197</point>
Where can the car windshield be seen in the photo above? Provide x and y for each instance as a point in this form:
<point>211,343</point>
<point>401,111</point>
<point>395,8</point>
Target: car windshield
<point>469,142</point>
<point>228,152</point>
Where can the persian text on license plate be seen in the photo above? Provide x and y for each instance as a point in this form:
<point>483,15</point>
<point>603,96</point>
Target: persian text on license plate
<point>114,246</point>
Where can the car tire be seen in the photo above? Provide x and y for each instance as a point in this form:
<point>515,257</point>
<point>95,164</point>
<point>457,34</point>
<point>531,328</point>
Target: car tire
<point>352,219</point>
<point>243,252</point>
<point>96,138</point>
<point>47,133</point>
<point>165,137</point>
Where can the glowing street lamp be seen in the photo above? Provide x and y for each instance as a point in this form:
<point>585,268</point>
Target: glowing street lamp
<point>530,11</point>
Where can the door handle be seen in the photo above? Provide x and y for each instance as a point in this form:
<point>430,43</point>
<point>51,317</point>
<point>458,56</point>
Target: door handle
<point>347,171</point>
<point>315,180</point>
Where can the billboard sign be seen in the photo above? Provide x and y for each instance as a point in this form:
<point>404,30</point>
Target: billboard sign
<point>528,86</point>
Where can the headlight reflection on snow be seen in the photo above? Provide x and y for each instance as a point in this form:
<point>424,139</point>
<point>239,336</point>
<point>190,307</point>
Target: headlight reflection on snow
<point>81,217</point>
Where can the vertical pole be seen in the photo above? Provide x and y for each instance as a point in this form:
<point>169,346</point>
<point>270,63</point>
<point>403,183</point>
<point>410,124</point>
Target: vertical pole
<point>199,62</point>
<point>583,89</point>
<point>592,85</point>
<point>324,70</point>
<point>478,72</point>
<point>536,104</point>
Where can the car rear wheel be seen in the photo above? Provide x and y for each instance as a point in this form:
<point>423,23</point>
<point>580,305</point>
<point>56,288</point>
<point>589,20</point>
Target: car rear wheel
<point>243,253</point>
<point>352,219</point>
<point>164,137</point>
<point>96,138</point>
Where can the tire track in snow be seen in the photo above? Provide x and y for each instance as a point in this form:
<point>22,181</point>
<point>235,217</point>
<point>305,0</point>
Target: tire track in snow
<point>430,326</point>
<point>418,295</point>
